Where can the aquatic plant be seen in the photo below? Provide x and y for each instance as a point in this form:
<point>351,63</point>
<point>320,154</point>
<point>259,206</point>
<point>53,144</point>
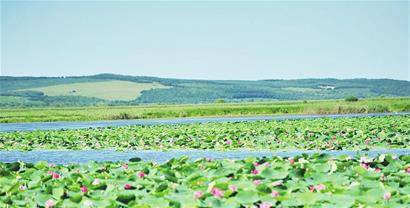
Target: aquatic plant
<point>317,180</point>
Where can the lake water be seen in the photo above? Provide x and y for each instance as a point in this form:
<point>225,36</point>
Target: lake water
<point>83,156</point>
<point>7,127</point>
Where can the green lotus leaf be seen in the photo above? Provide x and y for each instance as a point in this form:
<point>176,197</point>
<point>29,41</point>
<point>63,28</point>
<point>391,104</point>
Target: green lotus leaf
<point>135,159</point>
<point>13,166</point>
<point>154,201</point>
<point>58,192</point>
<point>244,185</point>
<point>341,200</point>
<point>76,197</point>
<point>6,200</point>
<point>371,196</point>
<point>185,200</point>
<point>41,165</point>
<point>125,197</point>
<point>274,174</point>
<point>41,199</point>
<point>306,198</point>
<point>247,197</point>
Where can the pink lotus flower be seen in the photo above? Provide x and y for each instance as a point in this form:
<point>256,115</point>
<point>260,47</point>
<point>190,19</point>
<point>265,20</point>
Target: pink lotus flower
<point>84,189</point>
<point>320,187</point>
<point>274,194</point>
<point>255,172</point>
<point>49,203</point>
<point>407,170</point>
<point>265,205</point>
<point>228,142</point>
<point>216,192</point>
<point>257,182</point>
<point>233,188</point>
<point>125,166</point>
<point>367,141</point>
<point>266,164</point>
<point>96,182</point>
<point>291,161</point>
<point>377,170</point>
<point>127,186</point>
<point>387,196</point>
<point>277,183</point>
<point>54,175</point>
<point>256,164</point>
<point>364,165</point>
<point>141,174</point>
<point>317,187</point>
<point>198,194</point>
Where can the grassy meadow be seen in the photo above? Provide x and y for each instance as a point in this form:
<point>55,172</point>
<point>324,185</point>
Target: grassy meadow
<point>200,110</point>
<point>107,90</point>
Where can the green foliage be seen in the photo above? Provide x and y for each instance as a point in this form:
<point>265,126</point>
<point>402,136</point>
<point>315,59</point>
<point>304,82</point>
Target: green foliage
<point>324,134</point>
<point>219,101</point>
<point>311,181</point>
<point>197,110</point>
<point>351,99</point>
<point>203,91</point>
<point>124,115</point>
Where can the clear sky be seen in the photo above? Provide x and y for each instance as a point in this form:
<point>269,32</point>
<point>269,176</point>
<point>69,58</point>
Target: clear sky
<point>206,40</point>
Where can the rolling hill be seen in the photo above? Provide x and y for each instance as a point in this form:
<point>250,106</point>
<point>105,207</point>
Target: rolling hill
<point>111,89</point>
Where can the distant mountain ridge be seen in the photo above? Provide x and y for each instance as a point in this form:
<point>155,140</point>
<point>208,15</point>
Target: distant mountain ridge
<point>15,91</point>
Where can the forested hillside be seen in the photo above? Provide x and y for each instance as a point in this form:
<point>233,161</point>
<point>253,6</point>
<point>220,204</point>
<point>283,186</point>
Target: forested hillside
<point>35,91</point>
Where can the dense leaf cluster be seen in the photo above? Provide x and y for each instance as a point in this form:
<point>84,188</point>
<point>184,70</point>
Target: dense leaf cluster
<point>309,181</point>
<point>325,134</point>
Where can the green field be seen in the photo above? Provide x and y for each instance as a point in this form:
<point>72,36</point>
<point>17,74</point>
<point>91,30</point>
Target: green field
<point>200,110</point>
<point>106,90</point>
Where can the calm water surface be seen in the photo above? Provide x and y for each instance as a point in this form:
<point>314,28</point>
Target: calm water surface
<point>83,156</point>
<point>7,127</point>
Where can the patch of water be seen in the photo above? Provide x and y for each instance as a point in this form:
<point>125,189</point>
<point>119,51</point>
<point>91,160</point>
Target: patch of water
<point>83,156</point>
<point>7,127</point>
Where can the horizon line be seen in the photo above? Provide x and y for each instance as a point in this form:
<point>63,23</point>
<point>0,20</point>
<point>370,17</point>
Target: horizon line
<point>199,79</point>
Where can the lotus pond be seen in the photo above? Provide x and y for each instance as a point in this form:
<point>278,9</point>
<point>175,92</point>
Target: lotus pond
<point>318,180</point>
<point>388,132</point>
<point>300,180</point>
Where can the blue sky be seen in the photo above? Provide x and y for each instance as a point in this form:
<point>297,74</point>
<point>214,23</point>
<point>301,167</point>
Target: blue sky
<point>206,40</point>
